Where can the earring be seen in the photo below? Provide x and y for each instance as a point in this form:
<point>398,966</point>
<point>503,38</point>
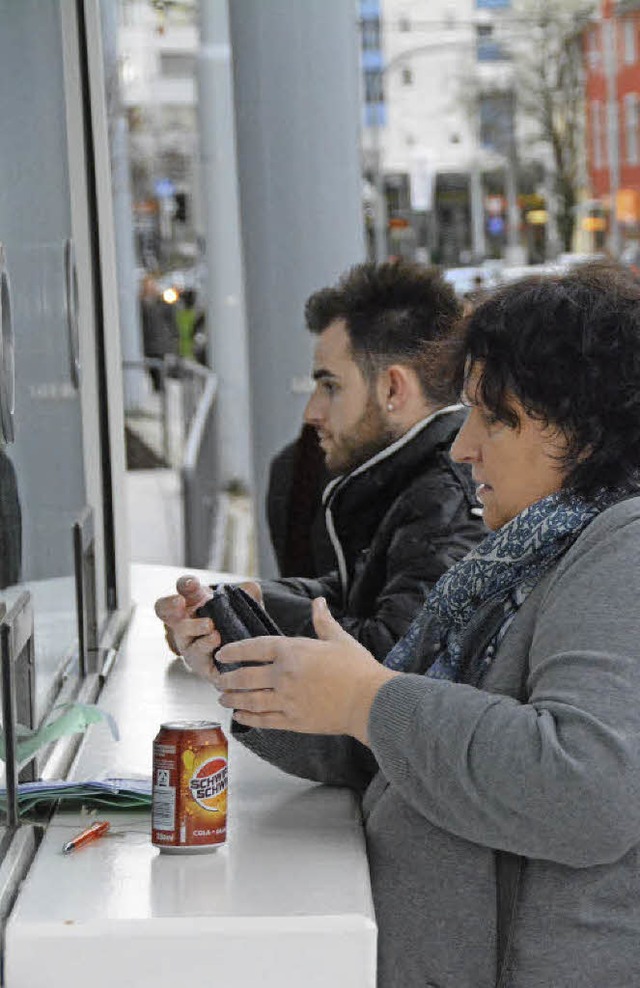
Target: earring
<point>389,407</point>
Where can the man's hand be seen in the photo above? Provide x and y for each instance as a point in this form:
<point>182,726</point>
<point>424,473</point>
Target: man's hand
<point>314,687</point>
<point>193,638</point>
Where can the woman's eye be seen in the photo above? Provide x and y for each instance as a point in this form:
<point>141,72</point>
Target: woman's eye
<point>489,418</point>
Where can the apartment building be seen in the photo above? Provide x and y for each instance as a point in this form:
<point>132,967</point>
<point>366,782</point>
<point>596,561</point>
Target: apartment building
<point>612,86</point>
<point>440,127</point>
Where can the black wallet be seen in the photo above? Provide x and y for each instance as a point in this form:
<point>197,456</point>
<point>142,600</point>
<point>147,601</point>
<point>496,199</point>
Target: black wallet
<point>236,616</point>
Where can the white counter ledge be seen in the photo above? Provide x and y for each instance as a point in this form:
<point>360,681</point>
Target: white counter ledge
<point>285,904</point>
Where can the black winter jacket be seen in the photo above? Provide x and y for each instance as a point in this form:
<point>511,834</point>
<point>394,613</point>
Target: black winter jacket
<point>397,523</point>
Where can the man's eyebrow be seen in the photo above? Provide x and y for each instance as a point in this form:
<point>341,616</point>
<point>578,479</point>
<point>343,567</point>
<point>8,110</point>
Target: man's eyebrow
<point>321,374</point>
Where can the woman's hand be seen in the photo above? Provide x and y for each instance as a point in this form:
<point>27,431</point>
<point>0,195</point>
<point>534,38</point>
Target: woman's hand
<point>314,687</point>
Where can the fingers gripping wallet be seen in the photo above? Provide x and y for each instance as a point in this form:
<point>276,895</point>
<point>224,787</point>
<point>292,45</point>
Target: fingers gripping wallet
<point>237,616</point>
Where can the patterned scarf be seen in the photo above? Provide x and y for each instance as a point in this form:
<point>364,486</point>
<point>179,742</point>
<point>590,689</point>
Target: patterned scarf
<point>504,569</point>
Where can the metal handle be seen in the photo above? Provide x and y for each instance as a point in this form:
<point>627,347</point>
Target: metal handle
<point>7,359</point>
<point>71,306</point>
<point>18,692</point>
<point>86,600</point>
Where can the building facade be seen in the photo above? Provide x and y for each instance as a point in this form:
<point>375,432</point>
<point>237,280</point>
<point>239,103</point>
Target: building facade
<point>612,74</point>
<point>441,133</point>
<point>157,86</point>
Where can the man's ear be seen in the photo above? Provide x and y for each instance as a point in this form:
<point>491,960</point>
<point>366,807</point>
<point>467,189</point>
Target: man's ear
<point>399,384</point>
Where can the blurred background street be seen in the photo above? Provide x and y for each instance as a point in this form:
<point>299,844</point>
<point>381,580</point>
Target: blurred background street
<point>490,137</point>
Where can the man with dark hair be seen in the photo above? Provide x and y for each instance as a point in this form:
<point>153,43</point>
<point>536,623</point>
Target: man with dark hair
<point>399,512</point>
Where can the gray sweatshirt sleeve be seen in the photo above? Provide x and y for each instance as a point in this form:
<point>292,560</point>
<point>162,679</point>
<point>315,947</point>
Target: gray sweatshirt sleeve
<point>557,778</point>
<point>335,760</point>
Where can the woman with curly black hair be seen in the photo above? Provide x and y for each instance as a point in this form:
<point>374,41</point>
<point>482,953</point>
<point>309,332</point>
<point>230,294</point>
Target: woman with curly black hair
<point>498,749</point>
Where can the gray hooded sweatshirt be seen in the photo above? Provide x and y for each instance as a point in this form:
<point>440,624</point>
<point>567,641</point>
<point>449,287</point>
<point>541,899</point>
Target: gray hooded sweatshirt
<point>455,772</point>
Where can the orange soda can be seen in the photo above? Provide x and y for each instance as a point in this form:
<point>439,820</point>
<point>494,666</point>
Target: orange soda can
<point>189,801</point>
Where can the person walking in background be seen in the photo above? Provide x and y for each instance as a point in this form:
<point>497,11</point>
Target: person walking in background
<point>497,749</point>
<point>185,316</point>
<point>399,512</point>
<point>297,478</point>
<point>159,330</point>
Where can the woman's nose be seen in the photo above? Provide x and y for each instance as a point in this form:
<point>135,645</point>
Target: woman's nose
<point>463,449</point>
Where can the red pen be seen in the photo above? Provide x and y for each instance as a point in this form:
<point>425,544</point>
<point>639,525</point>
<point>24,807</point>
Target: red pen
<point>97,829</point>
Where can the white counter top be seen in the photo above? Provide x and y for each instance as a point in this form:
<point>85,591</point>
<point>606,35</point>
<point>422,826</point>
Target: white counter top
<point>285,904</point>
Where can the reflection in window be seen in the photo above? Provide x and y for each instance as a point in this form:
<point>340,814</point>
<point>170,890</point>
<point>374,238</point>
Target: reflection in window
<point>10,524</point>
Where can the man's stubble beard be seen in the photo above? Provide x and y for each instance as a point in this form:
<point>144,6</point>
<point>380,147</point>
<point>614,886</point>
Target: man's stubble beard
<point>370,434</point>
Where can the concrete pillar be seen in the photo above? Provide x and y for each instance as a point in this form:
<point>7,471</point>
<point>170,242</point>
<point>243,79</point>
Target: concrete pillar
<point>225,311</point>
<point>297,104</point>
<point>135,383</point>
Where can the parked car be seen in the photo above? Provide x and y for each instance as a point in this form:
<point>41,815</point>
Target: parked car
<point>473,278</point>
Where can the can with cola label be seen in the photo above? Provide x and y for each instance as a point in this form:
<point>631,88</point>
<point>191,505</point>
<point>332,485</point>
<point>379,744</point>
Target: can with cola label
<point>189,806</point>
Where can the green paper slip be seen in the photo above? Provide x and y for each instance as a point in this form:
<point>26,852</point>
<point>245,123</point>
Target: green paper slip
<point>73,718</point>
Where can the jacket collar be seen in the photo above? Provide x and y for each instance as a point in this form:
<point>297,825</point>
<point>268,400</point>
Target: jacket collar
<point>392,449</point>
<point>383,475</point>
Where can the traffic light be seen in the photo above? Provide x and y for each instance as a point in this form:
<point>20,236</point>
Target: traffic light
<point>180,213</point>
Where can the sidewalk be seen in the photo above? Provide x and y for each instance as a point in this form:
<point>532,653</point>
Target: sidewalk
<point>153,489</point>
<point>154,502</point>
<point>154,496</point>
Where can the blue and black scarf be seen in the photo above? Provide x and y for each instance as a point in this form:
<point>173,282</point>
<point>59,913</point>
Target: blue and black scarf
<point>503,569</point>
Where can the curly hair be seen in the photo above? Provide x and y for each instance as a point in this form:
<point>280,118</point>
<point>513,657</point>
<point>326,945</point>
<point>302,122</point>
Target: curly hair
<point>395,312</point>
<point>567,347</point>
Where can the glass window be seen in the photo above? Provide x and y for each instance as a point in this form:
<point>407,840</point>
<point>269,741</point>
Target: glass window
<point>177,65</point>
<point>371,35</point>
<point>629,35</point>
<point>597,133</point>
<point>631,127</point>
<point>373,91</point>
<point>593,48</point>
<point>47,550</point>
<point>488,49</point>
<point>496,121</point>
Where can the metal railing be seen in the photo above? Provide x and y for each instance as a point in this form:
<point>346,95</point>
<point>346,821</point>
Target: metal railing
<point>199,475</point>
<point>188,443</point>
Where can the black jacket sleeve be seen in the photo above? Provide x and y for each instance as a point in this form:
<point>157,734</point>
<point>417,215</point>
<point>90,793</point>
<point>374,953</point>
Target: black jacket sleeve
<point>414,562</point>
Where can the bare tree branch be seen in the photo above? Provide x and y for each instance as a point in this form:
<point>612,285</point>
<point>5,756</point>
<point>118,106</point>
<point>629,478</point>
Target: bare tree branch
<point>549,85</point>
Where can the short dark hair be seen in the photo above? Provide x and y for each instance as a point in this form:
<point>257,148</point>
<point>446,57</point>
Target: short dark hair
<point>567,346</point>
<point>394,312</point>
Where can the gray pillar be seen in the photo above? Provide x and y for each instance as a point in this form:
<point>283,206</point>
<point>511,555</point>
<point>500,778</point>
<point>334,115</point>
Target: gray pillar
<point>380,218</point>
<point>553,247</point>
<point>135,384</point>
<point>477,212</point>
<point>226,317</point>
<point>297,117</point>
